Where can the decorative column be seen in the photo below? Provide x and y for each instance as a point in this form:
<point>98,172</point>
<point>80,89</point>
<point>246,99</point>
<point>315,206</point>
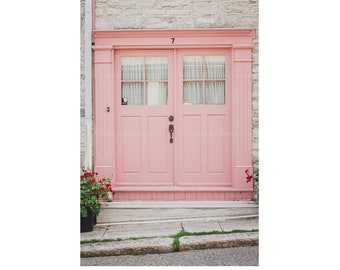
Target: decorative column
<point>103,111</point>
<point>242,115</point>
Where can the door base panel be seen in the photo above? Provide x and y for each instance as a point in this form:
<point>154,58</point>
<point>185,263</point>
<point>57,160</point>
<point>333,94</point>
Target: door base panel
<point>164,195</point>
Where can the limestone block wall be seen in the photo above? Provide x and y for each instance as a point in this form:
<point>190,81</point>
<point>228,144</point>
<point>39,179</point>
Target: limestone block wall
<point>177,14</point>
<point>82,83</point>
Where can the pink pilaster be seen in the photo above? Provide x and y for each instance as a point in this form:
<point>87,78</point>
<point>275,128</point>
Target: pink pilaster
<point>241,115</point>
<point>103,112</point>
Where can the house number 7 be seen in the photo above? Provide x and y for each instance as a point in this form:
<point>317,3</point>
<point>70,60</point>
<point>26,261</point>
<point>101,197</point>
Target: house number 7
<point>173,40</point>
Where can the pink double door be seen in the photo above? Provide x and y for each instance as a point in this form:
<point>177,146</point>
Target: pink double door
<point>173,117</point>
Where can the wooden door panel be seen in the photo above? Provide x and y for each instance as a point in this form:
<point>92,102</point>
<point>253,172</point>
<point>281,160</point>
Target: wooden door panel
<point>216,144</point>
<point>204,139</point>
<point>192,144</point>
<point>158,144</point>
<point>145,156</point>
<point>132,152</point>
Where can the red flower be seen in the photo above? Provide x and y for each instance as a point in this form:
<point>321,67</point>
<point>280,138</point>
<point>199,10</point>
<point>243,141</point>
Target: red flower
<point>88,174</point>
<point>101,188</point>
<point>249,177</point>
<point>108,185</point>
<point>92,181</point>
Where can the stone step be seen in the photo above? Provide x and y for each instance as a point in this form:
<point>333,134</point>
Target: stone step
<point>148,211</point>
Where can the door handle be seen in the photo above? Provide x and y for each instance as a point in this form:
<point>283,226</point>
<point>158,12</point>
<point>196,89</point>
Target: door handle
<point>171,130</point>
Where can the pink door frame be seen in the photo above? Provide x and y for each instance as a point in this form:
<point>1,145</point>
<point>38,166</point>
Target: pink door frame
<point>239,42</point>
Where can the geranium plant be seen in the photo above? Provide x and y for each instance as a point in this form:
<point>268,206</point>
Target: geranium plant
<point>254,176</point>
<point>249,176</point>
<point>92,191</point>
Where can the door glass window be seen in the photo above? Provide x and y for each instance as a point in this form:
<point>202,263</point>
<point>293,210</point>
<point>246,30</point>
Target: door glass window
<point>132,93</point>
<point>193,92</point>
<point>204,79</point>
<point>144,80</point>
<point>157,93</point>
<point>156,68</point>
<point>132,68</point>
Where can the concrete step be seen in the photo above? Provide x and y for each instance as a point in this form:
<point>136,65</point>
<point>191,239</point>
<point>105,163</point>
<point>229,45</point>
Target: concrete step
<point>149,211</point>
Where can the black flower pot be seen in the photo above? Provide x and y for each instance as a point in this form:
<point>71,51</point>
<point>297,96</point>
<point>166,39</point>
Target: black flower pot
<point>87,223</point>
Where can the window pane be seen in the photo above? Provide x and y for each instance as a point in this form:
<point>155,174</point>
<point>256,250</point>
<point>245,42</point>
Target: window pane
<point>192,67</point>
<point>215,92</point>
<point>132,68</point>
<point>157,93</point>
<point>156,68</point>
<point>193,92</point>
<point>215,67</point>
<point>132,93</point>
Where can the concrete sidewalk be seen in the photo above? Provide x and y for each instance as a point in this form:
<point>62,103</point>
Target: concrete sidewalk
<point>158,236</point>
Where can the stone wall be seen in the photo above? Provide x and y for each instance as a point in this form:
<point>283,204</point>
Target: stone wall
<point>136,14</point>
<point>153,14</point>
<point>82,83</point>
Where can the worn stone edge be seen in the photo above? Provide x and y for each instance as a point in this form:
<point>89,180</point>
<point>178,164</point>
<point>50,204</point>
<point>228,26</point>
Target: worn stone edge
<point>220,244</point>
<point>126,251</point>
<point>132,248</point>
<point>157,249</point>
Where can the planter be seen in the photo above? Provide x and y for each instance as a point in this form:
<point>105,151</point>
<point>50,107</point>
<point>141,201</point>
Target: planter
<point>87,223</point>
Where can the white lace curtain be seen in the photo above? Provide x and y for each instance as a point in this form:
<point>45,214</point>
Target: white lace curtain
<point>204,74</point>
<point>203,80</point>
<point>150,73</point>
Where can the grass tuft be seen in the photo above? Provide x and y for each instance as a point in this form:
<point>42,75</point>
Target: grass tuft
<point>176,242</point>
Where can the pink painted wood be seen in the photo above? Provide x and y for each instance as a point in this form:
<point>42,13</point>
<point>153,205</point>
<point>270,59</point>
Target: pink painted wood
<point>103,121</point>
<point>212,144</point>
<point>145,156</point>
<point>204,141</point>
<point>242,116</point>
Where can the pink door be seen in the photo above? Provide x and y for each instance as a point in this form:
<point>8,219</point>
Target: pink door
<point>144,102</point>
<point>204,117</point>
<point>173,117</point>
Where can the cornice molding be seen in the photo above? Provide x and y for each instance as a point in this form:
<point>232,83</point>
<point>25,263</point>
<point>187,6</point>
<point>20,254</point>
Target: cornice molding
<point>174,38</point>
<point>198,32</point>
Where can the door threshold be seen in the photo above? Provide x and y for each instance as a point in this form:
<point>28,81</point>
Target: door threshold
<point>178,204</point>
<point>179,188</point>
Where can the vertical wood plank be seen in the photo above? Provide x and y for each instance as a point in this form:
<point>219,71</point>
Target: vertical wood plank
<point>242,116</point>
<point>103,119</point>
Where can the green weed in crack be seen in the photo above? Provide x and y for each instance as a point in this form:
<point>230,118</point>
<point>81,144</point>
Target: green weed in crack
<point>176,237</point>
